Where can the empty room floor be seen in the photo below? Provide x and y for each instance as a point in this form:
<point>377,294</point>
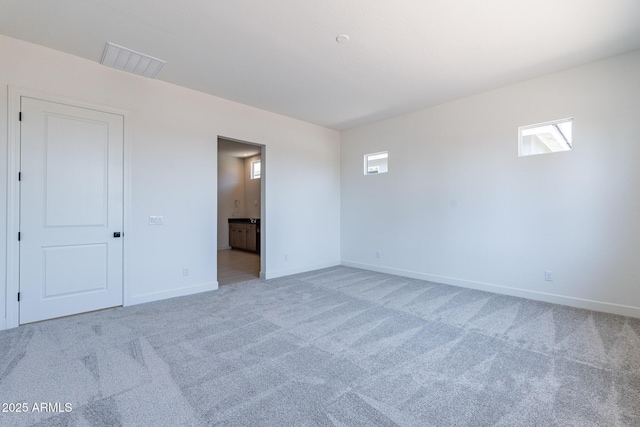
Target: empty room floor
<point>338,346</point>
<point>237,266</point>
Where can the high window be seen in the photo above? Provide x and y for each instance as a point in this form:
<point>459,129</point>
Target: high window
<point>549,137</point>
<point>255,169</point>
<point>376,163</point>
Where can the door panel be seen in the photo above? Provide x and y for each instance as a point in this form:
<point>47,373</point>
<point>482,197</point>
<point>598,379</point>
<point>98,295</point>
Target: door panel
<point>251,237</point>
<point>90,276</point>
<point>76,148</point>
<point>71,203</point>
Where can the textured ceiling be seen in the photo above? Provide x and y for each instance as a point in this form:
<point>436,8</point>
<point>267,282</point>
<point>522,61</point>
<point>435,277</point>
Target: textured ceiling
<point>282,56</point>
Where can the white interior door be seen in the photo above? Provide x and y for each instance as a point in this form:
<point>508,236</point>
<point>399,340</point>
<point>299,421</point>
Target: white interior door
<point>71,204</point>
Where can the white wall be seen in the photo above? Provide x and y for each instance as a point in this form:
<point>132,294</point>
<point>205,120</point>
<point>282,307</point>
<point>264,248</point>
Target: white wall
<point>458,206</point>
<point>231,185</point>
<point>173,156</point>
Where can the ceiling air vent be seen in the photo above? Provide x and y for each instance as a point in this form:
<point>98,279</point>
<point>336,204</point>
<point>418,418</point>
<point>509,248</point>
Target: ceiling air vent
<point>129,60</point>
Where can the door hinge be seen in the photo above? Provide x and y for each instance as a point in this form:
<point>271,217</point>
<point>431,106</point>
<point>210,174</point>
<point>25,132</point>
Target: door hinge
<point>19,176</point>
<point>20,116</point>
<point>18,296</point>
<point>18,236</point>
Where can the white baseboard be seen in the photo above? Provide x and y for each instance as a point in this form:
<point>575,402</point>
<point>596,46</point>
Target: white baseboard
<point>606,307</point>
<point>224,248</point>
<point>155,296</point>
<point>172,293</point>
<point>289,272</point>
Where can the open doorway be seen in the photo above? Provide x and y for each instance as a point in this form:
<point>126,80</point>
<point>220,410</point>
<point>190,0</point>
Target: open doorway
<point>241,236</point>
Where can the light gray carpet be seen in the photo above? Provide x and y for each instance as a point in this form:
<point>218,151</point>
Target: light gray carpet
<point>338,346</point>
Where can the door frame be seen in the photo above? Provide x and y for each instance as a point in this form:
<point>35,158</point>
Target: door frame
<point>263,201</point>
<point>13,192</point>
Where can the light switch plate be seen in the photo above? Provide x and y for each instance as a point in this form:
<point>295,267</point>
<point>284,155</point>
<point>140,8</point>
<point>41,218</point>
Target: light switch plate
<point>155,220</point>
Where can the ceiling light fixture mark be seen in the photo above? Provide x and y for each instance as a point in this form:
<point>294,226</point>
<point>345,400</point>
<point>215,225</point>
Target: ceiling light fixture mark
<point>342,38</point>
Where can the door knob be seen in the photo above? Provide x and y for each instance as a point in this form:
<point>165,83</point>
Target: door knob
<point>116,234</point>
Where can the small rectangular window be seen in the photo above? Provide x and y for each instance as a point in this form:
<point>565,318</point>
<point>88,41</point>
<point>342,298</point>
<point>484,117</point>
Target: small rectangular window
<point>255,169</point>
<point>376,163</point>
<point>549,137</point>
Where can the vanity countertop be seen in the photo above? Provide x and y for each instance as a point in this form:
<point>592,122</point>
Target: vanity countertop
<point>244,220</point>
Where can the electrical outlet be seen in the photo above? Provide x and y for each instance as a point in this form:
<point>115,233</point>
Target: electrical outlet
<point>185,271</point>
<point>548,276</point>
